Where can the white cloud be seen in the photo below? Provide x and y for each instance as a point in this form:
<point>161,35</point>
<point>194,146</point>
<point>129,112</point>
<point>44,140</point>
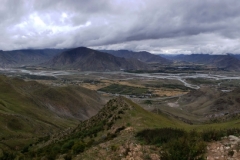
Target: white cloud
<point>158,26</point>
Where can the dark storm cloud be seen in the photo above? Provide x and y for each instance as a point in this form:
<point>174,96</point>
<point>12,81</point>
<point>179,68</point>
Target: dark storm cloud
<point>171,26</point>
<point>186,19</point>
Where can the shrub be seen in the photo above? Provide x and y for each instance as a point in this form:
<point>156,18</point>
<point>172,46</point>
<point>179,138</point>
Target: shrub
<point>233,131</point>
<point>159,136</point>
<point>215,135</point>
<point>120,112</point>
<point>67,157</point>
<point>67,146</point>
<point>111,136</point>
<point>120,129</point>
<point>212,135</point>
<point>147,102</point>
<point>230,153</point>
<point>7,155</point>
<point>43,139</point>
<point>56,149</point>
<point>90,142</point>
<point>114,147</point>
<point>78,147</point>
<point>176,144</point>
<point>25,149</point>
<point>51,156</point>
<point>184,148</point>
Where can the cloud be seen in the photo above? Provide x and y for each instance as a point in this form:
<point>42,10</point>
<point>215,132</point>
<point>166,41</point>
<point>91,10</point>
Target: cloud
<point>159,26</point>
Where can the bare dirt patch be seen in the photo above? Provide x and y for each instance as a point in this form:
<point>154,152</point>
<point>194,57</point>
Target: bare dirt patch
<point>168,93</point>
<point>174,105</point>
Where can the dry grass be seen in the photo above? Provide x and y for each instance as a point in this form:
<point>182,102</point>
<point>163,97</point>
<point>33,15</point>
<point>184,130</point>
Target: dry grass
<point>129,83</point>
<point>168,93</point>
<point>161,92</point>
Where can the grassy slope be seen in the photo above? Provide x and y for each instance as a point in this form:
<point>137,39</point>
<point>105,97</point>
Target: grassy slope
<point>139,119</point>
<point>132,116</point>
<point>24,116</point>
<point>199,106</point>
<point>142,119</point>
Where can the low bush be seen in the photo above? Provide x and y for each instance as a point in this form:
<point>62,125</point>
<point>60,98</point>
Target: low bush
<point>78,147</point>
<point>178,144</point>
<point>215,135</point>
<point>7,155</point>
<point>147,102</point>
<point>159,136</point>
<point>67,146</point>
<point>190,146</point>
<point>114,147</point>
<point>212,135</point>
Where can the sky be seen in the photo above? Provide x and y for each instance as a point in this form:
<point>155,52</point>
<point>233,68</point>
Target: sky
<point>157,26</point>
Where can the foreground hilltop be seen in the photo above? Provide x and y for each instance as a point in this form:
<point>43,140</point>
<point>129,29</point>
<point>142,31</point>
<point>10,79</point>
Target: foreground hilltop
<point>85,59</point>
<point>124,130</point>
<point>115,125</point>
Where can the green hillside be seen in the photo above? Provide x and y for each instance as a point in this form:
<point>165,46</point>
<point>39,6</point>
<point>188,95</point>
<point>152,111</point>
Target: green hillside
<point>121,129</point>
<point>29,110</point>
<point>117,115</point>
<point>113,130</point>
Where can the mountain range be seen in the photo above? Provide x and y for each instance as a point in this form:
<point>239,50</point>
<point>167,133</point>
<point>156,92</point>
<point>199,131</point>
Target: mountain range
<point>228,62</point>
<point>85,59</point>
<point>18,58</point>
<point>141,56</point>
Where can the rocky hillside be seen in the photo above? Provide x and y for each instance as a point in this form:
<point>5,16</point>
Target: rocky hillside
<point>85,59</point>
<point>212,104</point>
<point>226,148</point>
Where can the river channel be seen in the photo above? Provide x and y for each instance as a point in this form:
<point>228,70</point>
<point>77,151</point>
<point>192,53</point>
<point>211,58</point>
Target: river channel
<point>121,75</point>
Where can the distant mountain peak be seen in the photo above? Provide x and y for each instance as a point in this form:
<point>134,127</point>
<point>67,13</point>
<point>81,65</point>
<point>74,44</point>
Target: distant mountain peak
<point>143,56</point>
<point>86,59</point>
